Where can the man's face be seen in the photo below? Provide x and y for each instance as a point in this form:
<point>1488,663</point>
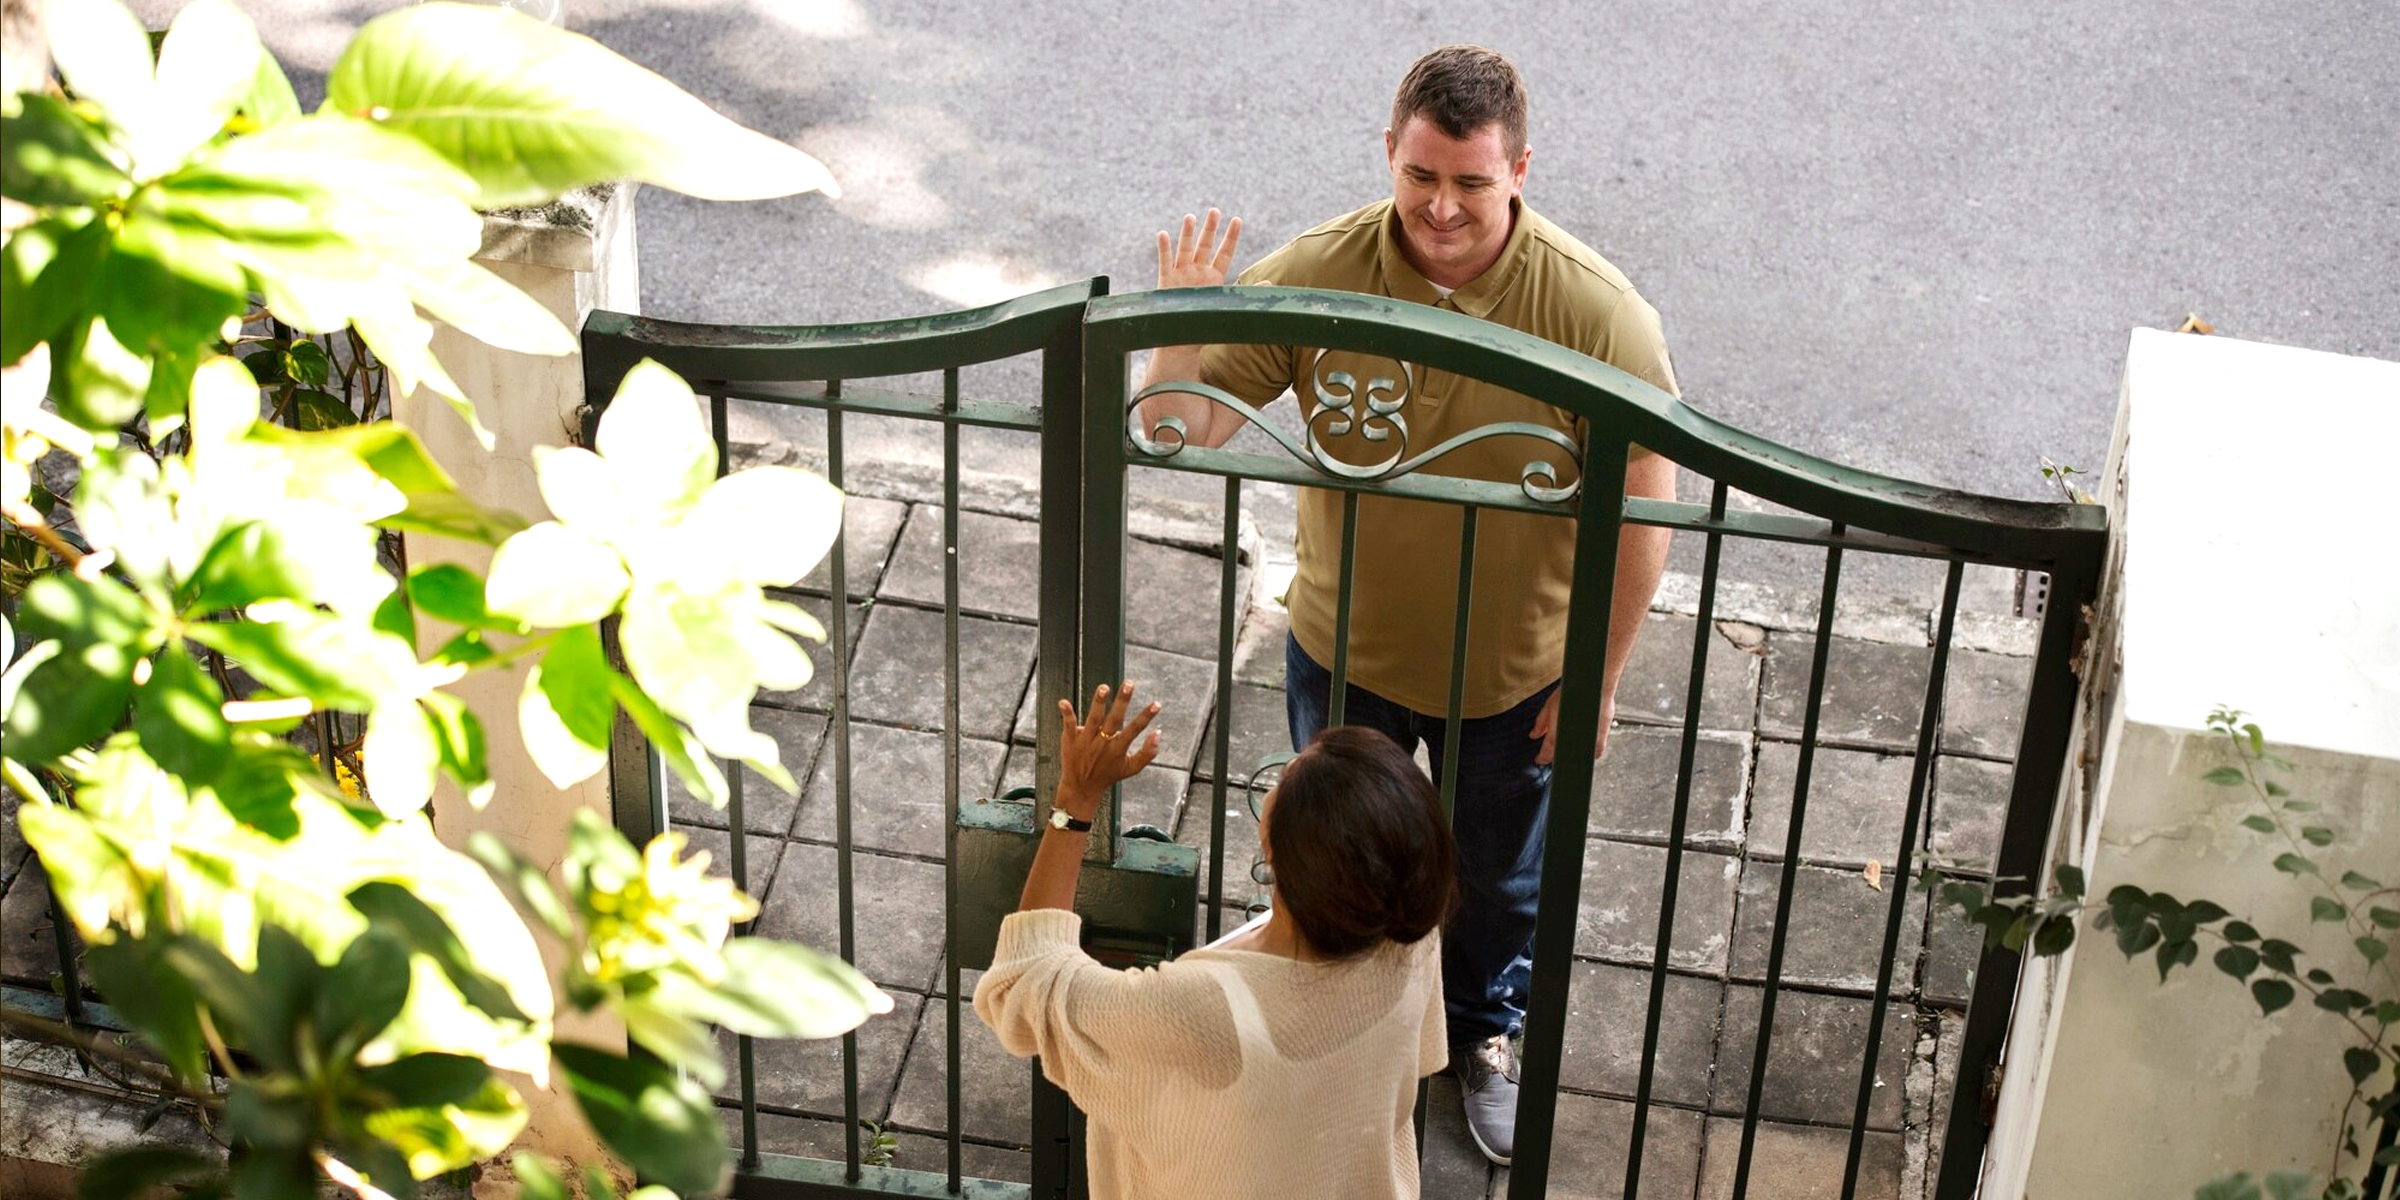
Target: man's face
<point>1452,195</point>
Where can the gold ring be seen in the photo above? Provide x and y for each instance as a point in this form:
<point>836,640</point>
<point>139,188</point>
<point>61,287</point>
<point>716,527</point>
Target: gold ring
<point>1105,735</point>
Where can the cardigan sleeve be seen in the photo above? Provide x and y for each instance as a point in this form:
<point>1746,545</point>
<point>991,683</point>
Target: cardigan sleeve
<point>1108,1037</point>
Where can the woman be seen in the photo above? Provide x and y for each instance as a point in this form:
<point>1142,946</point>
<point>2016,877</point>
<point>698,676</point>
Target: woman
<point>1282,1060</point>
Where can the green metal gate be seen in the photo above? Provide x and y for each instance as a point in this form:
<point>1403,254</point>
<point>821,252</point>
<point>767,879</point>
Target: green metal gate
<point>1140,896</point>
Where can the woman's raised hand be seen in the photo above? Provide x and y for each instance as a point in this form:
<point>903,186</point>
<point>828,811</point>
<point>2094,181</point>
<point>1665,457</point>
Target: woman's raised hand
<point>1100,751</point>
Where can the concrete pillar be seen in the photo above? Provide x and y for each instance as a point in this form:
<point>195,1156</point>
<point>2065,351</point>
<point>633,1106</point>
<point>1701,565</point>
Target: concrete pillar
<point>573,256</point>
<point>2252,569</point>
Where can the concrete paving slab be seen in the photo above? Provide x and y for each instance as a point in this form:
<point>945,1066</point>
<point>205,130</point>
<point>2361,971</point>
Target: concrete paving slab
<point>1657,678</point>
<point>1593,1137</point>
<point>1618,918</point>
<point>766,808</point>
<point>807,1075</point>
<point>999,563</point>
<point>1260,728</point>
<point>1799,1162</point>
<point>1814,1060</point>
<point>1970,804</point>
<point>1633,788</point>
<point>1836,928</point>
<point>1953,952</point>
<point>896,911</point>
<point>817,694</point>
<point>897,801</point>
<point>1173,598</point>
<point>996,1086</point>
<point>1874,691</point>
<point>1449,1167</point>
<point>901,669</point>
<point>1258,648</point>
<point>1857,801</point>
<point>1608,1010</point>
<point>869,527</point>
<point>1983,703</point>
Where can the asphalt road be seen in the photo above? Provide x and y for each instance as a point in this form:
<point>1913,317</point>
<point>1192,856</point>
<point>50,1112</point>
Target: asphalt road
<point>1908,235</point>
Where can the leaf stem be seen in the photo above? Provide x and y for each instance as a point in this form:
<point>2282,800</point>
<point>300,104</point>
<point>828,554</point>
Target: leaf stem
<point>37,527</point>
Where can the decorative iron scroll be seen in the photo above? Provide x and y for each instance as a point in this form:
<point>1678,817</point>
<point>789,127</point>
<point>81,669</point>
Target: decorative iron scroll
<point>1376,412</point>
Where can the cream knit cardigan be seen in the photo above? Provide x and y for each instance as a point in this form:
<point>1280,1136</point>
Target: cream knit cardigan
<point>1226,1073</point>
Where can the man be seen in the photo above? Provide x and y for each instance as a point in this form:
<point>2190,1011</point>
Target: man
<point>1455,234</point>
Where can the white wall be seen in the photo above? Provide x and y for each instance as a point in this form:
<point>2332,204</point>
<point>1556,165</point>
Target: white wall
<point>2251,494</point>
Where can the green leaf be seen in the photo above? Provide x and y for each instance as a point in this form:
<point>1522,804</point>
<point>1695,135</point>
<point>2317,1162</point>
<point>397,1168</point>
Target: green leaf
<point>399,911</point>
<point>531,111</point>
<point>2226,777</point>
<point>96,382</point>
<point>2321,908</point>
<point>460,738</point>
<point>312,409</point>
<point>403,756</point>
<point>2320,976</point>
<point>452,1134</point>
<point>538,1179</point>
<point>2317,835</point>
<point>2372,949</point>
<point>775,989</point>
<point>683,1044</point>
<point>2232,1187</point>
<point>45,273</point>
<point>2357,882</point>
<point>167,288</point>
<point>2070,878</point>
<point>2291,1185</point>
<point>2258,823</point>
<point>2133,939</point>
<point>79,694</point>
<point>664,1126</point>
<point>2053,936</point>
<point>524,881</point>
<point>2203,912</point>
<point>270,100</point>
<point>144,1170</point>
<point>52,158</point>
<point>2302,806</point>
<point>2271,994</point>
<point>2384,918</point>
<point>568,708</point>
<point>337,664</point>
<point>450,515</point>
<point>2294,864</point>
<point>471,299</point>
<point>2175,954</point>
<point>362,993</point>
<point>395,617</point>
<point>682,752</point>
<point>552,575</point>
<point>177,715</point>
<point>2237,961</point>
<point>449,592</point>
<point>2240,931</point>
<point>252,561</point>
<point>2278,954</point>
<point>155,998</point>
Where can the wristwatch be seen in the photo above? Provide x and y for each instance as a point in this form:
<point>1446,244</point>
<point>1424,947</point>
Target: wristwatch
<point>1060,820</point>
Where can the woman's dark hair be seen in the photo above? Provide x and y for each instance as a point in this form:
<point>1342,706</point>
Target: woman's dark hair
<point>1461,89</point>
<point>1361,849</point>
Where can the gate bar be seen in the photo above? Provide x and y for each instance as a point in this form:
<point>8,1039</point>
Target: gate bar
<point>1599,524</point>
<point>1228,579</point>
<point>1928,729</point>
<point>841,775</point>
<point>1791,866</point>
<point>1338,702</point>
<point>1452,722</point>
<point>1702,631</point>
<point>738,851</point>
<point>950,798</point>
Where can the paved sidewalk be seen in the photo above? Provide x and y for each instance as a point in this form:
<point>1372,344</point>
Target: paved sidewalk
<point>1743,775</point>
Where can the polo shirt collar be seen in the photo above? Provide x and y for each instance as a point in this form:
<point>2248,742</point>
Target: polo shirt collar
<point>1402,281</point>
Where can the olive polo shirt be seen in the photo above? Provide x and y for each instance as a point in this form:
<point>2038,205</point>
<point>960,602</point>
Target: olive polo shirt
<point>1545,283</point>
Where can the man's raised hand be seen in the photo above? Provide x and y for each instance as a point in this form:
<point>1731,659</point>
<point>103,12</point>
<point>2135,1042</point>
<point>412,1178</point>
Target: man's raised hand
<point>1197,259</point>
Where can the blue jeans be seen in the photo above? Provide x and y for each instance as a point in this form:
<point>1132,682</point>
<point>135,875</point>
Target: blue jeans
<point>1502,807</point>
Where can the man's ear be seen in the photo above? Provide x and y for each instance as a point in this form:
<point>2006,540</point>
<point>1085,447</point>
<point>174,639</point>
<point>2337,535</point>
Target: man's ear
<point>1391,146</point>
<point>1517,173</point>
